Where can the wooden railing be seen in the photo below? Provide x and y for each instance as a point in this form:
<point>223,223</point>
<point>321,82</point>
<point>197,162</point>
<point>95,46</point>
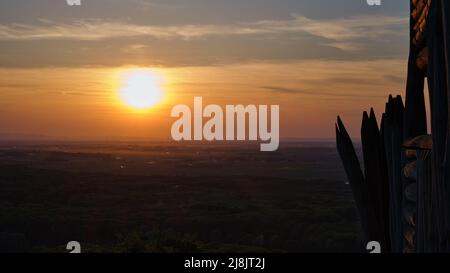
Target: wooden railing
<point>403,194</point>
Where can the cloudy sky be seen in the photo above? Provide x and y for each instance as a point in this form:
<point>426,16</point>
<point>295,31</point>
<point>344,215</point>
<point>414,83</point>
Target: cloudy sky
<point>59,65</point>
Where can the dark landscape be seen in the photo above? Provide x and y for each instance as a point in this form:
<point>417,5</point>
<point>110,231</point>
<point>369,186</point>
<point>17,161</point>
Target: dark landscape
<point>169,197</point>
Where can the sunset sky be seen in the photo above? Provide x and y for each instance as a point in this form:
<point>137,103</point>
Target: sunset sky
<point>62,68</point>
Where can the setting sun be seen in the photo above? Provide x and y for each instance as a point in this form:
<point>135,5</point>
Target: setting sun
<point>141,89</point>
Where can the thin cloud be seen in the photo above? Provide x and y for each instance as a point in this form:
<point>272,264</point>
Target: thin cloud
<point>345,34</point>
<point>285,90</point>
<point>146,5</point>
<point>86,94</point>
